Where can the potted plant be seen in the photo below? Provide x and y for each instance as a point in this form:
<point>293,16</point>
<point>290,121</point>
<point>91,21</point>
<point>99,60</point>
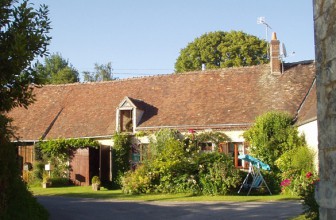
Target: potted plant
<point>95,183</point>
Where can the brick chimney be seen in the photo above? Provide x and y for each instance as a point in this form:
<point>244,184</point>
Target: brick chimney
<point>275,55</point>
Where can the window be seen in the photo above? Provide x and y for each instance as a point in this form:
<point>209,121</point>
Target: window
<point>233,149</point>
<point>206,146</point>
<point>140,153</point>
<point>126,121</point>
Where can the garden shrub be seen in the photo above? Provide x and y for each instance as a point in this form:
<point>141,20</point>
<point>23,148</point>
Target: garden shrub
<point>16,202</point>
<point>138,181</point>
<point>272,135</point>
<point>177,166</point>
<point>217,174</point>
<point>59,181</point>
<point>294,165</point>
<point>307,191</point>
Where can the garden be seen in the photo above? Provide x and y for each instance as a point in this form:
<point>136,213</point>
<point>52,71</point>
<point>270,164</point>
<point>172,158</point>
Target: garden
<point>176,167</point>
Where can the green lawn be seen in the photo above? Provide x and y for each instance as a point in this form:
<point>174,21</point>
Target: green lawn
<point>87,192</point>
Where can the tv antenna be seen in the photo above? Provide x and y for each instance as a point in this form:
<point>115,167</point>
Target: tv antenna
<point>261,20</point>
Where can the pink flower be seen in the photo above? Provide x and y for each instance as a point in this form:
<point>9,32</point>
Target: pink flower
<point>285,182</point>
<point>308,175</point>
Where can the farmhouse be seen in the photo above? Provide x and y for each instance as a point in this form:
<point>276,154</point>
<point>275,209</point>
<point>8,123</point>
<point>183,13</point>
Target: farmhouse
<point>226,100</point>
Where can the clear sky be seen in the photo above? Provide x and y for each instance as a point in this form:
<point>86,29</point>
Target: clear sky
<point>144,37</point>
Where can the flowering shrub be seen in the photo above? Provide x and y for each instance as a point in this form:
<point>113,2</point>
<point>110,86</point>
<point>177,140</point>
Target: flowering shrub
<point>285,186</point>
<point>305,187</point>
<point>177,166</point>
<point>307,193</point>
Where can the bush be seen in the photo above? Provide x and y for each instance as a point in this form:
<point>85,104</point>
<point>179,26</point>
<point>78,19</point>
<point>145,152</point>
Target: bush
<point>217,174</point>
<point>16,202</point>
<point>294,165</point>
<point>59,181</point>
<point>138,181</point>
<point>306,189</point>
<point>271,136</point>
<point>95,180</point>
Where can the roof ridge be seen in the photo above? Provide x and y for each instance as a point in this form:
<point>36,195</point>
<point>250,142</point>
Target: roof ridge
<point>196,72</point>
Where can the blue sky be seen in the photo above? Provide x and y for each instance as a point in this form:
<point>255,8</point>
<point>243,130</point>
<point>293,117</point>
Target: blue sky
<point>144,37</point>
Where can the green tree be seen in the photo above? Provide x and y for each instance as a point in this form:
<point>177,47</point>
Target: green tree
<point>102,72</point>
<point>57,70</point>
<point>272,135</point>
<point>222,49</point>
<point>23,36</point>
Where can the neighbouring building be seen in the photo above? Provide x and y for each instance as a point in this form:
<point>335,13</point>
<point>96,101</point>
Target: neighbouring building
<point>226,100</point>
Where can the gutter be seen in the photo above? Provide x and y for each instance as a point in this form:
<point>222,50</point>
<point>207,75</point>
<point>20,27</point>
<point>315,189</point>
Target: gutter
<point>196,126</point>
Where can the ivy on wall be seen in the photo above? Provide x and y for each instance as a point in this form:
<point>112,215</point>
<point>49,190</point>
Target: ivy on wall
<point>59,151</point>
<point>61,147</point>
<point>121,156</point>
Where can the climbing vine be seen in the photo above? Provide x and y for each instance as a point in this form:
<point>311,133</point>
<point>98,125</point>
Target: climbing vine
<point>58,152</point>
<point>121,156</point>
<point>61,147</point>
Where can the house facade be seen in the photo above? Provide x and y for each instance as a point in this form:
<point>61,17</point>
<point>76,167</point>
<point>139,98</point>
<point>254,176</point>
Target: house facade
<point>225,100</point>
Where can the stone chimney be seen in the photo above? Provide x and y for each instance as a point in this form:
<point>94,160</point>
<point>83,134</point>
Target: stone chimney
<point>275,55</point>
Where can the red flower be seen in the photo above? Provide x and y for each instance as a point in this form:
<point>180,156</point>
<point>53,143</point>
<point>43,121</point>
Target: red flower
<point>308,175</point>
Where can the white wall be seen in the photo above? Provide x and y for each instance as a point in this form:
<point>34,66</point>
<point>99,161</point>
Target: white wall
<point>310,132</point>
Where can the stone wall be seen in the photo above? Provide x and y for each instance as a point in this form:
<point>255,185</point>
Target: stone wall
<point>325,52</point>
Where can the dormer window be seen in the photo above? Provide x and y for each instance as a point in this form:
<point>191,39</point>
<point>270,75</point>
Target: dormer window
<point>128,115</point>
<point>126,120</point>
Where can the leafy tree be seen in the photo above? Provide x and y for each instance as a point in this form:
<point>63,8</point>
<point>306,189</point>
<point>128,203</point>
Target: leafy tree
<point>23,36</point>
<point>271,136</point>
<point>102,73</point>
<point>222,49</point>
<point>57,70</point>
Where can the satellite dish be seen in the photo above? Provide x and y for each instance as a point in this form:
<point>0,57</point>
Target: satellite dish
<point>283,50</point>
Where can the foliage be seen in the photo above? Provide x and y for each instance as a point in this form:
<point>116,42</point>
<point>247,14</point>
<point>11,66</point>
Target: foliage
<point>222,49</point>
<point>23,37</point>
<point>306,185</point>
<point>159,140</point>
<point>56,70</point>
<point>177,166</point>
<point>59,181</point>
<point>61,147</point>
<point>102,73</point>
<point>307,195</point>
<point>271,136</point>
<point>121,155</point>
<point>137,181</point>
<point>217,174</point>
<point>213,137</point>
<point>14,194</point>
<point>59,151</point>
<point>299,177</point>
<point>95,180</point>
<point>293,165</point>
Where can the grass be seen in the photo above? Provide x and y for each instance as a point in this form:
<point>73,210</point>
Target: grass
<point>87,192</point>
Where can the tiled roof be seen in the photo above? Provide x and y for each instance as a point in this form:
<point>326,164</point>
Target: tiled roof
<point>308,111</point>
<point>208,99</point>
